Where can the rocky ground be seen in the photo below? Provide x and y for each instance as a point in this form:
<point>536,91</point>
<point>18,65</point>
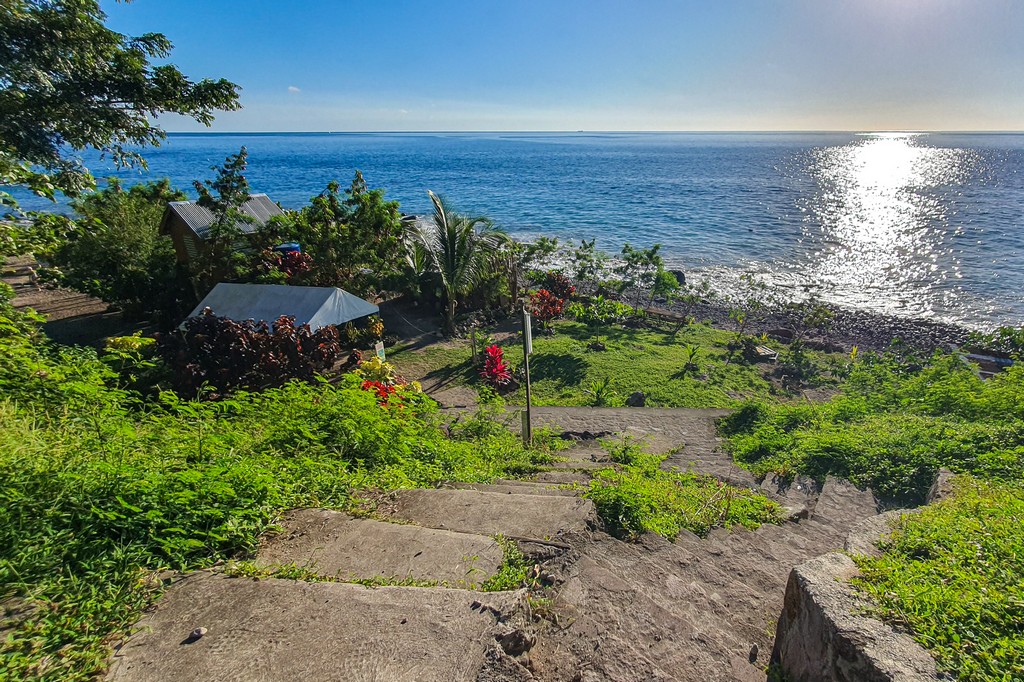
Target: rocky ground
<point>600,608</point>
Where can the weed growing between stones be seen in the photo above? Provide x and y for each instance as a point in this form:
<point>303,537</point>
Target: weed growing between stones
<point>640,497</point>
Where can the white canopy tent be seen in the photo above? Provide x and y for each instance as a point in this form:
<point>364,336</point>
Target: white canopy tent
<point>316,306</point>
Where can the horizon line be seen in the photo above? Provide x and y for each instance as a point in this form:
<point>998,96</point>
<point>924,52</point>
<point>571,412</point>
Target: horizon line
<point>907,131</point>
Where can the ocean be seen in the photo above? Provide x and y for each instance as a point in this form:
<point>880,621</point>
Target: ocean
<point>923,225</point>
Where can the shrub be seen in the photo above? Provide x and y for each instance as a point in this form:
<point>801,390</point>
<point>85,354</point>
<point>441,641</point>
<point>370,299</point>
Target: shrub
<point>1007,341</point>
<point>559,285</point>
<point>224,354</point>
<point>545,306</point>
<point>116,252</point>
<point>495,371</point>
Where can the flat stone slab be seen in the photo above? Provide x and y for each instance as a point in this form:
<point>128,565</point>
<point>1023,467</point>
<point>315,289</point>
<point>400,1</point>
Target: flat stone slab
<point>512,489</point>
<point>487,513</point>
<point>337,545</point>
<point>327,632</point>
<point>843,504</point>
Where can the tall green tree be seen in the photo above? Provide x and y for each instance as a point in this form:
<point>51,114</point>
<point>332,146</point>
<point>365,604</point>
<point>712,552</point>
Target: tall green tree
<point>68,83</point>
<point>116,251</point>
<point>462,248</point>
<point>225,254</point>
<point>354,237</point>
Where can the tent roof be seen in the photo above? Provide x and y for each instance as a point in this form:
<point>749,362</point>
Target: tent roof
<point>315,306</point>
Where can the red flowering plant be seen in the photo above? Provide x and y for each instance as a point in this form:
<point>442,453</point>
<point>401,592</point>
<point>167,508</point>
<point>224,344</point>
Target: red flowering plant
<point>559,285</point>
<point>545,306</point>
<point>294,264</point>
<point>495,371</point>
<point>384,392</point>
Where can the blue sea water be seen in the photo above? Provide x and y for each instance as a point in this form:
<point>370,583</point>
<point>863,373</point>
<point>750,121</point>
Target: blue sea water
<point>928,225</point>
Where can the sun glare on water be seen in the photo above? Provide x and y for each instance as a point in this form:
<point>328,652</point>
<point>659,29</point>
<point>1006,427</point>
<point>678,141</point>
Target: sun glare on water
<point>879,224</point>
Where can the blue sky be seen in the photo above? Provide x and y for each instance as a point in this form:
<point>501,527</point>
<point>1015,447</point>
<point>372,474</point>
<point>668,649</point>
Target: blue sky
<point>390,65</point>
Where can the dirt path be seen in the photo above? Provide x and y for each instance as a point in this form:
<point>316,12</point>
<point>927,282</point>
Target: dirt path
<point>72,318</point>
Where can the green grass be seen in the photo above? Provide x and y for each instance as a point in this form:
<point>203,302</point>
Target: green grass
<point>564,370</point>
<point>892,429</point>
<point>952,575</point>
<point>514,570</point>
<point>639,497</point>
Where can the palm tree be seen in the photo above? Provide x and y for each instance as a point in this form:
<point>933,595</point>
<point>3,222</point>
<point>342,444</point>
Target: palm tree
<point>461,248</point>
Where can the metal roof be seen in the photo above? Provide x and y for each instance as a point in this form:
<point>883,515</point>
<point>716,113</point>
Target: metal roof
<point>199,218</point>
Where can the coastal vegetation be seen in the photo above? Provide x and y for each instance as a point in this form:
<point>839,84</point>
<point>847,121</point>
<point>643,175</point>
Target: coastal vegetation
<point>894,425</point>
<point>179,451</point>
<point>951,575</point>
<point>68,82</point>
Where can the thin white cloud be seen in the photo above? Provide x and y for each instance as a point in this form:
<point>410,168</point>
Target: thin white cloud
<point>292,88</point>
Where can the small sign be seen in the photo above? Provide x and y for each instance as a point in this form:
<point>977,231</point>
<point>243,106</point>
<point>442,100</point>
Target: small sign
<point>379,347</point>
<point>528,332</point>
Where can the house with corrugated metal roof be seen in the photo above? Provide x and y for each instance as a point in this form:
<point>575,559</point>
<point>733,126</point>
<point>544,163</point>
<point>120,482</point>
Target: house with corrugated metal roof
<point>188,224</point>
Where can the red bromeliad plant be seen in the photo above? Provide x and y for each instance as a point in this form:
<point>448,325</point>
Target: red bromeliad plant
<point>495,371</point>
<point>545,306</point>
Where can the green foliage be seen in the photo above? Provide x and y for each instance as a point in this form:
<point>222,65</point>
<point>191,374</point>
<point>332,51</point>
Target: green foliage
<point>99,490</point>
<point>117,254</point>
<point>1008,341</point>
<point>520,259</point>
<point>665,284</point>
<point>226,253</point>
<point>514,570</point>
<point>639,268</point>
<point>589,264</point>
<point>892,428</point>
<point>354,239</point>
<point>40,235</point>
<point>639,497</point>
<point>602,392</point>
<point>951,575</point>
<point>67,82</point>
<point>462,250</point>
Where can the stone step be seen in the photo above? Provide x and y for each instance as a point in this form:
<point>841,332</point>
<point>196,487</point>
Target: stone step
<point>579,465</point>
<point>562,477</point>
<point>509,489</point>
<point>842,505</point>
<point>488,513</point>
<point>337,545</point>
<point>293,630</point>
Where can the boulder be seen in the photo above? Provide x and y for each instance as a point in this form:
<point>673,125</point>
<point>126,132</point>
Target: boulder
<point>638,399</point>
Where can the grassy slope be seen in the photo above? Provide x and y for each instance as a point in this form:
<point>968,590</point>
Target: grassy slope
<point>952,575</point>
<point>99,491</point>
<point>892,428</point>
<point>563,368</point>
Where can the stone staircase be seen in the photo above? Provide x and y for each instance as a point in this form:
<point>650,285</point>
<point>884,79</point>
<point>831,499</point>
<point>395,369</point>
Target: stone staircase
<point>603,609</point>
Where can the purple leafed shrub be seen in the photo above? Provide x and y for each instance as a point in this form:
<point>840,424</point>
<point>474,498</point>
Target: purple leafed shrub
<point>225,354</point>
